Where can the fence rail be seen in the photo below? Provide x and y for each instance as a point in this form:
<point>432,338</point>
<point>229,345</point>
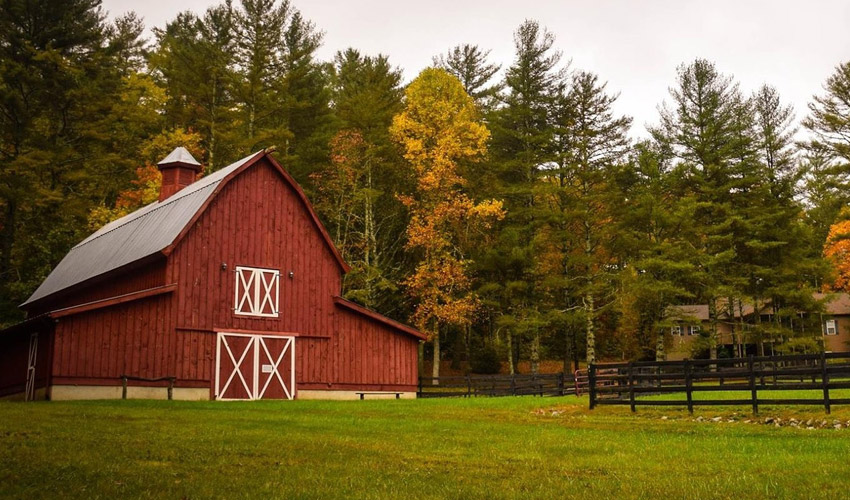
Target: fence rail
<point>627,383</point>
<point>467,386</point>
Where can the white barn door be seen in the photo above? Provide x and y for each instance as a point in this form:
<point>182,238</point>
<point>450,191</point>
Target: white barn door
<point>254,367</point>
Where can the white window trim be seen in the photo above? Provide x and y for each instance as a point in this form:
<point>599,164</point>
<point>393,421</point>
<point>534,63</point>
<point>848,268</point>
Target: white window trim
<point>834,328</point>
<point>676,330</point>
<point>694,330</point>
<point>256,291</point>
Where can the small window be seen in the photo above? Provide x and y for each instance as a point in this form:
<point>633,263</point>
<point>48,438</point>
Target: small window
<point>831,327</point>
<point>257,292</point>
<point>676,330</point>
<point>695,330</point>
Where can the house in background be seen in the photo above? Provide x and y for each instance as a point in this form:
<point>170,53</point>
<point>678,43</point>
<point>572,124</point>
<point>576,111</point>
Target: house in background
<point>230,284</point>
<point>691,320</point>
<point>835,322</point>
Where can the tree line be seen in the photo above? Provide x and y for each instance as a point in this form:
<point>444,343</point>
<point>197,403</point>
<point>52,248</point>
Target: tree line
<point>503,208</point>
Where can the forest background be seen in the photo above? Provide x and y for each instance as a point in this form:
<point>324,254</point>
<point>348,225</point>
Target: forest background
<point>503,207</point>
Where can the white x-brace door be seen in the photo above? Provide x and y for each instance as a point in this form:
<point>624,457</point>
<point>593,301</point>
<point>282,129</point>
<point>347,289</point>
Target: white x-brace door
<point>250,366</point>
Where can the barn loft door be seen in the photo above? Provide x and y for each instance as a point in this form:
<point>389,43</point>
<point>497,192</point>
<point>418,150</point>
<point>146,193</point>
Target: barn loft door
<point>254,367</point>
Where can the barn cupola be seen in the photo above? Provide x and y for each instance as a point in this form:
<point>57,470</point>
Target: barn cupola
<point>179,169</point>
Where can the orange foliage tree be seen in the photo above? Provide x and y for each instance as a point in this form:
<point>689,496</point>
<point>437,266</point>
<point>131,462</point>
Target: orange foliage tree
<point>439,129</point>
<point>837,250</point>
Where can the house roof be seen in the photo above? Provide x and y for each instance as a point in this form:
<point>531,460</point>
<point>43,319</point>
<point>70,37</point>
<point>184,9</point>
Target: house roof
<point>837,303</point>
<point>153,229</point>
<point>698,311</point>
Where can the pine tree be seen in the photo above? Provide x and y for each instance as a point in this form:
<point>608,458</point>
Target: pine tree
<point>828,153</point>
<point>260,25</point>
<point>304,92</point>
<point>590,143</point>
<point>522,145</point>
<point>706,132</point>
<point>60,72</point>
<point>367,94</point>
<point>194,60</point>
<point>469,64</point>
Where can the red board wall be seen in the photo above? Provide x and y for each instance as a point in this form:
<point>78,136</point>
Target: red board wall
<point>257,220</point>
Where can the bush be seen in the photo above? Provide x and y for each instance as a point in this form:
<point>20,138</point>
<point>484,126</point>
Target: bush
<point>485,361</point>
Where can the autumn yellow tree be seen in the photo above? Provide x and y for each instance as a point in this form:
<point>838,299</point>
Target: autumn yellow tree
<point>438,131</point>
<point>837,250</point>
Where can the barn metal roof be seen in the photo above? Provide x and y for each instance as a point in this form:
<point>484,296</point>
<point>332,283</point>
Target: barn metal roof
<point>133,237</point>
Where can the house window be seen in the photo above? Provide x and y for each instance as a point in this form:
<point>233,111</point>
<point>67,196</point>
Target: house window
<point>676,330</point>
<point>695,330</point>
<point>831,327</point>
<point>257,292</point>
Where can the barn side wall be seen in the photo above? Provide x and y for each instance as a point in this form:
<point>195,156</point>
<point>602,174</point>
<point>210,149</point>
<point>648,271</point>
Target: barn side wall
<point>137,338</point>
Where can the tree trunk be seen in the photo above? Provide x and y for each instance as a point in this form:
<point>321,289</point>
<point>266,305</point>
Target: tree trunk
<point>575,352</point>
<point>712,334</point>
<point>535,351</point>
<point>7,241</point>
<point>421,359</point>
<point>591,334</point>
<point>659,346</point>
<point>511,366</point>
<point>741,322</point>
<point>435,369</point>
<point>568,352</point>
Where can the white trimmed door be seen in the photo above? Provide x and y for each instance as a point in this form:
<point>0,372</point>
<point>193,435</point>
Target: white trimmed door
<point>254,367</point>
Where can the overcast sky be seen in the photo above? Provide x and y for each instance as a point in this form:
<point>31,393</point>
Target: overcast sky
<point>635,46</point>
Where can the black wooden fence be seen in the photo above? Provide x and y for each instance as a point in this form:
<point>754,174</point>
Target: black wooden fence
<point>467,386</point>
<point>630,383</point>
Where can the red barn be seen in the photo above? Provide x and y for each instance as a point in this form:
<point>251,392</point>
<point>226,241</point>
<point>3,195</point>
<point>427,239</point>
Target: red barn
<point>229,284</point>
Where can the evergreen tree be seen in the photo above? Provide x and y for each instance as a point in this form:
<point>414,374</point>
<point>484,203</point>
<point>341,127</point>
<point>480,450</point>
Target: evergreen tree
<point>705,131</point>
<point>194,60</point>
<point>522,146</point>
<point>828,153</point>
<point>469,64</point>
<point>590,143</point>
<point>60,72</point>
<point>304,92</point>
<point>370,229</point>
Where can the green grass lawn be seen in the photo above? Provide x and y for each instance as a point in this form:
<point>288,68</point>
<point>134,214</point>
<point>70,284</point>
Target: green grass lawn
<point>478,448</point>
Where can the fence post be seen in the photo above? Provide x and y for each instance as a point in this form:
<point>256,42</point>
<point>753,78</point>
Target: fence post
<point>753,391</point>
<point>561,384</point>
<point>689,386</point>
<point>631,386</point>
<point>123,387</point>
<point>420,388</point>
<point>513,384</point>
<point>591,384</point>
<point>468,386</point>
<point>825,382</point>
